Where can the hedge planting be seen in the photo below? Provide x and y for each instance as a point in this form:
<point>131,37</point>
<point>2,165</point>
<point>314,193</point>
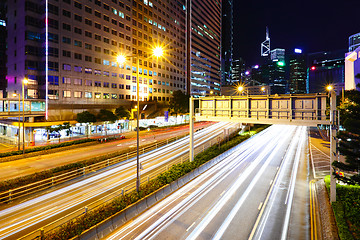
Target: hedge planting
<point>346,210</point>
<point>24,180</point>
<point>78,225</point>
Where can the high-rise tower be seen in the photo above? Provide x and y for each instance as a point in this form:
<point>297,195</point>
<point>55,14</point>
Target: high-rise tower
<point>205,47</point>
<point>265,45</point>
<point>71,58</point>
<point>227,42</point>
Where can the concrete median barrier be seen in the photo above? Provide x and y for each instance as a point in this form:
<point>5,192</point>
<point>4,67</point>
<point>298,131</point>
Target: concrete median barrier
<point>151,200</point>
<point>141,206</point>
<point>119,219</point>
<point>131,212</point>
<point>90,234</point>
<point>174,185</point>
<point>167,190</point>
<point>159,194</point>
<point>104,229</point>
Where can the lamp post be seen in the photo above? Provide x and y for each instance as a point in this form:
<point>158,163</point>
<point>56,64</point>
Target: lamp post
<point>24,82</point>
<point>333,131</point>
<point>157,52</point>
<point>14,95</point>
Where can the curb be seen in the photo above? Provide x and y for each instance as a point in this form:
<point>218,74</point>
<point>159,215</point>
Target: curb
<point>327,219</point>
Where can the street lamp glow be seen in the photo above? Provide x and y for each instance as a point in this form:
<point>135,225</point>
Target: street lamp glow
<point>121,59</point>
<point>240,88</point>
<point>329,88</point>
<point>158,51</point>
<point>263,89</point>
<point>25,81</point>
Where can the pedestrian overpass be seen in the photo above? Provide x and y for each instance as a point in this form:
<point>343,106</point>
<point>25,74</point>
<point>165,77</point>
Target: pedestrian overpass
<point>300,110</point>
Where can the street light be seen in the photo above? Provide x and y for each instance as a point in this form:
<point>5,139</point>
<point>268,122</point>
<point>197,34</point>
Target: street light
<point>333,132</point>
<point>263,89</point>
<point>329,88</point>
<point>14,95</point>
<point>24,82</point>
<point>157,52</point>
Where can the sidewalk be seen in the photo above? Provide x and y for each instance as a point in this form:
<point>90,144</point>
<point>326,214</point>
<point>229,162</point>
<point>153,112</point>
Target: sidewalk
<point>320,166</point>
<point>31,165</point>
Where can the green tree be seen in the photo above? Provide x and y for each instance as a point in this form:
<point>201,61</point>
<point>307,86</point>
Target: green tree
<point>349,138</point>
<point>122,113</point>
<point>179,103</point>
<point>85,117</point>
<point>106,116</point>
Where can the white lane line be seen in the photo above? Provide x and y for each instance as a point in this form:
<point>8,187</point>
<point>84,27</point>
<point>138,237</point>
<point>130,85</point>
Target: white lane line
<point>222,165</point>
<point>190,226</point>
<point>259,226</point>
<point>248,190</point>
<point>293,177</point>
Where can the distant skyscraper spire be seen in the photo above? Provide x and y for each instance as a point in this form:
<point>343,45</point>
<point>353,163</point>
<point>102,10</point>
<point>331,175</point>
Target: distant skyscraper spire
<point>265,45</point>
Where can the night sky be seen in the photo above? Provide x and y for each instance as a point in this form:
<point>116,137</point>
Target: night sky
<point>313,25</point>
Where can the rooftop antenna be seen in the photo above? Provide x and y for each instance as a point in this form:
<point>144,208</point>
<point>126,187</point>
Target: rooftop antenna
<point>265,45</point>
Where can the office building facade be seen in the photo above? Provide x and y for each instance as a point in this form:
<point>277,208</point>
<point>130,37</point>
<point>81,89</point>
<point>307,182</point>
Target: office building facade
<point>3,46</point>
<point>298,73</point>
<point>354,42</point>
<point>227,42</point>
<point>205,47</point>
<point>325,68</point>
<point>68,51</point>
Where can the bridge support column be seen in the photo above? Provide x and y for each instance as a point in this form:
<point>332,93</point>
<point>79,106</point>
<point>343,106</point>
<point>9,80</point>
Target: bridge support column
<point>191,110</point>
<point>333,155</point>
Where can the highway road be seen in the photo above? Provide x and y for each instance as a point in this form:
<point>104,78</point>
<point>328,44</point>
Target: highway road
<point>258,191</point>
<point>29,165</point>
<point>20,218</point>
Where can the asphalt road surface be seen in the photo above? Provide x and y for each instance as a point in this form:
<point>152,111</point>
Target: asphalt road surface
<point>258,191</point>
<point>39,163</point>
<point>20,218</point>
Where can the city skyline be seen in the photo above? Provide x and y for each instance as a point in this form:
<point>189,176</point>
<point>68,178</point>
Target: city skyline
<point>312,26</point>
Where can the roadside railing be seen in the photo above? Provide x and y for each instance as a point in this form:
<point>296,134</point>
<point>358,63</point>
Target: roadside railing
<point>31,188</point>
<point>120,191</point>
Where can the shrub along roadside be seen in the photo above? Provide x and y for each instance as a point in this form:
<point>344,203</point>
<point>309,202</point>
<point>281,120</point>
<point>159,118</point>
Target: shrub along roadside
<point>38,176</point>
<point>346,210</point>
<point>76,226</point>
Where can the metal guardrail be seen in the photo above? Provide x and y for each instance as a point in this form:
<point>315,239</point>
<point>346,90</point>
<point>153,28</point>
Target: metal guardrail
<point>31,188</point>
<point>38,234</point>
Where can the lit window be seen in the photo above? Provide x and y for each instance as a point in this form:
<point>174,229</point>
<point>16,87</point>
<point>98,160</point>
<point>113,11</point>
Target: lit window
<point>66,94</point>
<point>88,94</point>
<point>77,94</point>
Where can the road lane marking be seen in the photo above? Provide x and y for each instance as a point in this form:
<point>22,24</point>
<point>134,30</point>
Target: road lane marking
<point>271,181</point>
<point>190,226</point>
<point>222,193</point>
<point>313,230</point>
<point>279,168</point>
<point>260,205</point>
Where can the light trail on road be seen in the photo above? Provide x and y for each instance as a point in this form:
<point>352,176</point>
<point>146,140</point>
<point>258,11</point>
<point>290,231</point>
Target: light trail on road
<point>214,204</point>
<point>30,215</point>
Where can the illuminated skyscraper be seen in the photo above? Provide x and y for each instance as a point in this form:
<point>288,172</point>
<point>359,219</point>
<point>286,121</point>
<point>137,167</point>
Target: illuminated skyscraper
<point>298,73</point>
<point>83,39</point>
<point>3,46</point>
<point>354,42</point>
<point>326,68</point>
<point>205,47</point>
<point>227,42</point>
